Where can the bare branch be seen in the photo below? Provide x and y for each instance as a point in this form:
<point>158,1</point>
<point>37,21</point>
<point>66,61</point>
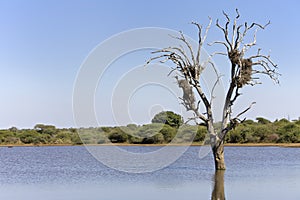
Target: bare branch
<point>218,53</point>
<point>155,58</point>
<point>213,89</point>
<point>226,25</point>
<point>216,82</point>
<point>203,97</point>
<point>238,35</point>
<point>207,29</point>
<point>198,104</point>
<point>246,29</point>
<point>225,30</point>
<point>237,13</point>
<point>220,42</point>
<point>249,45</point>
<point>192,119</point>
<point>201,39</point>
<point>199,31</point>
<point>259,25</point>
<point>194,109</point>
<point>234,122</point>
<point>254,40</point>
<point>173,69</point>
<point>268,66</point>
<point>175,51</point>
<point>201,116</point>
<point>182,38</point>
<point>266,58</point>
<point>199,45</point>
<point>237,94</point>
<point>244,111</point>
<point>234,30</point>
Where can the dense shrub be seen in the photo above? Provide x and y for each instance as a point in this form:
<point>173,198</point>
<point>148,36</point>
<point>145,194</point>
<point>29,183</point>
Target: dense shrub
<point>186,133</point>
<point>149,130</point>
<point>201,133</point>
<point>76,140</point>
<point>279,131</point>
<point>117,136</point>
<point>155,139</point>
<point>168,133</point>
<point>261,120</point>
<point>134,139</point>
<point>31,137</point>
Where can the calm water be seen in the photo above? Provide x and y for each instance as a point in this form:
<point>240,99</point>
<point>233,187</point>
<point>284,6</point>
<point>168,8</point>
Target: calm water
<point>72,173</point>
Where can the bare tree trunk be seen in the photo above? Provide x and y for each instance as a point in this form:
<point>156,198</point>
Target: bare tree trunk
<point>217,146</point>
<point>218,153</point>
<point>218,192</point>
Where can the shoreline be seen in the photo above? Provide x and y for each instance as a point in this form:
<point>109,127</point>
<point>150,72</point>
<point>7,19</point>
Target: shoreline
<point>290,145</point>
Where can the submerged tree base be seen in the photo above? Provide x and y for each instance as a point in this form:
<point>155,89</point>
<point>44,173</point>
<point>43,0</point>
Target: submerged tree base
<point>218,192</point>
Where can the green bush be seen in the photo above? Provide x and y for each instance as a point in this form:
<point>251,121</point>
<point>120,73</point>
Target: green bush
<point>261,120</point>
<point>234,136</point>
<point>117,136</point>
<point>149,130</point>
<point>46,129</point>
<point>75,139</point>
<point>31,137</point>
<point>168,117</point>
<point>168,133</point>
<point>201,133</point>
<point>155,139</point>
<point>186,133</point>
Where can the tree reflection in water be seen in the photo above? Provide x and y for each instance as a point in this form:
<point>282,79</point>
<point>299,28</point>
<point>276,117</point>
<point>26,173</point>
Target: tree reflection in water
<point>218,191</point>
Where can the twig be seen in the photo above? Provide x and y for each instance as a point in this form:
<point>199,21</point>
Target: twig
<point>244,111</point>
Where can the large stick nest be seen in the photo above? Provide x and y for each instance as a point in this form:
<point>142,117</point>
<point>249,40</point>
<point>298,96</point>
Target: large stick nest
<point>245,73</point>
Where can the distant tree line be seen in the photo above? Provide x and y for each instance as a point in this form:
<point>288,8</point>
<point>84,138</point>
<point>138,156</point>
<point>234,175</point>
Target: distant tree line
<point>163,129</point>
<point>265,131</point>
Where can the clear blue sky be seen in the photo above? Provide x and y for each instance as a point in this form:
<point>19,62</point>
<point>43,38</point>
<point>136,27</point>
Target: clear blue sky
<point>43,44</point>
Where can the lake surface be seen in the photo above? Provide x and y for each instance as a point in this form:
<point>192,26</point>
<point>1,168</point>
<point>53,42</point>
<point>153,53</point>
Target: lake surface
<point>72,173</point>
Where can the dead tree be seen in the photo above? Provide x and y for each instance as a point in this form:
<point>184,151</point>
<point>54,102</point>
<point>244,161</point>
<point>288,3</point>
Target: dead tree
<point>244,71</point>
